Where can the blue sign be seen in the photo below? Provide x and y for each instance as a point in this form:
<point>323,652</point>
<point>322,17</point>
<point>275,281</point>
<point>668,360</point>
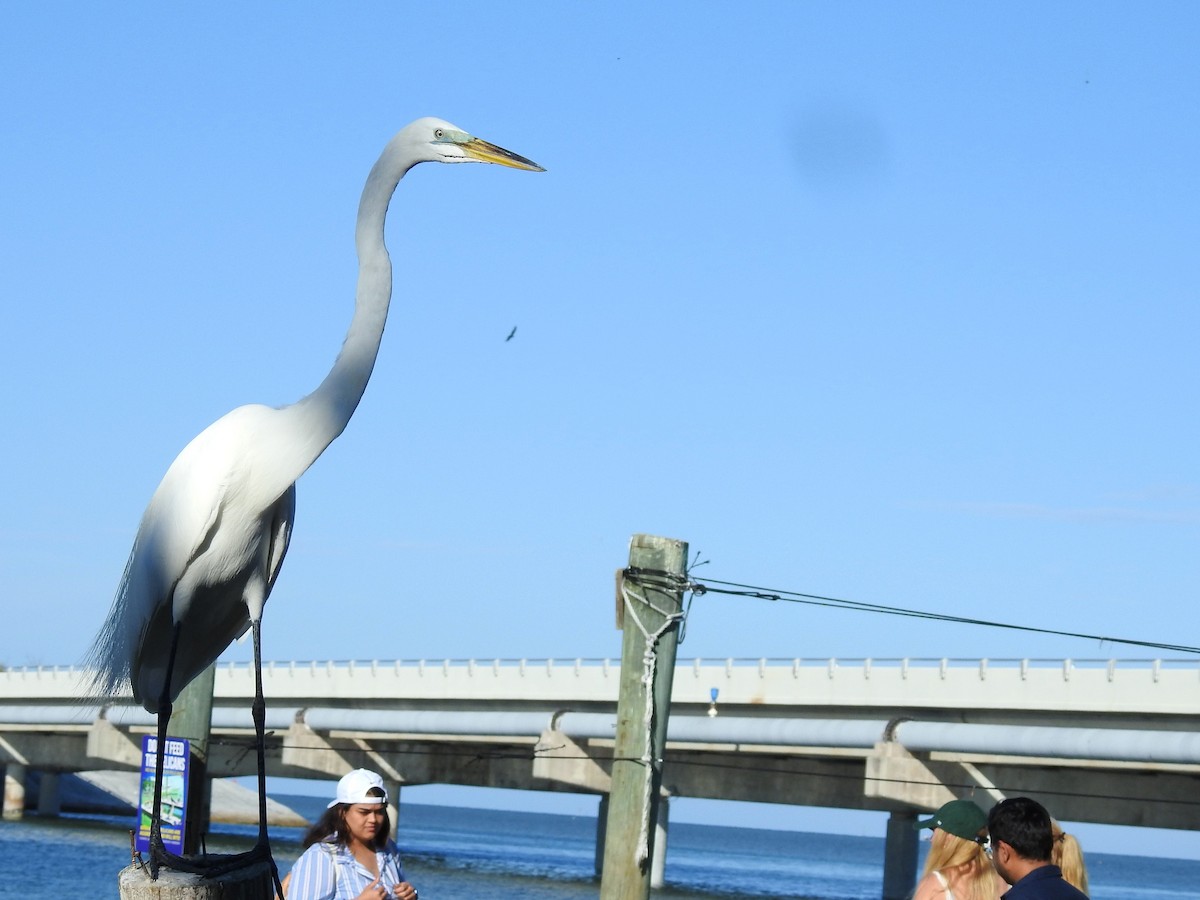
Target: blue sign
<point>173,805</point>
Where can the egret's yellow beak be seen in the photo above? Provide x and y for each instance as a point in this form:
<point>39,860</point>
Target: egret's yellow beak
<point>490,153</point>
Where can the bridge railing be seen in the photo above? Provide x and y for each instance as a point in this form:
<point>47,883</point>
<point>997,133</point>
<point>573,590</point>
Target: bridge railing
<point>607,664</point>
<point>1169,687</point>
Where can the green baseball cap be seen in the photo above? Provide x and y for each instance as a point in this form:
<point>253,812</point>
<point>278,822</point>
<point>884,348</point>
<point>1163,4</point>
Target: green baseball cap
<point>961,818</point>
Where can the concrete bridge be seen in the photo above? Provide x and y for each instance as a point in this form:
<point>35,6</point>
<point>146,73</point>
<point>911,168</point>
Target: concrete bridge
<point>1112,741</point>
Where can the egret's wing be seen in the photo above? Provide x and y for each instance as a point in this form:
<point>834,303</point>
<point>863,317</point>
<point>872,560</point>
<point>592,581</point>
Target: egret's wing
<point>179,518</point>
<point>179,524</point>
<point>230,571</point>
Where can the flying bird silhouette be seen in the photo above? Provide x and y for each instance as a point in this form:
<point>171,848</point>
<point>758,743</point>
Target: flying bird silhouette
<point>511,334</point>
<point>214,535</point>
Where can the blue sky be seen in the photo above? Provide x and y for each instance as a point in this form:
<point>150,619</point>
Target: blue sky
<point>895,303</point>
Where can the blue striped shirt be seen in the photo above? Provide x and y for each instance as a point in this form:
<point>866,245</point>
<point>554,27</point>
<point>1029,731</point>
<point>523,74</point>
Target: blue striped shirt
<point>329,871</point>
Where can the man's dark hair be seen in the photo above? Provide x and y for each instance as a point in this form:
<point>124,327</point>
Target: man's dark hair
<point>1024,825</point>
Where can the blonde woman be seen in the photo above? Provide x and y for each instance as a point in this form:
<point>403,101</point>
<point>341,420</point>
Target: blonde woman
<point>957,866</point>
<point>1068,856</point>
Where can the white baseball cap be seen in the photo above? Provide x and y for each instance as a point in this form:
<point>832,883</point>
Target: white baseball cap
<point>354,786</point>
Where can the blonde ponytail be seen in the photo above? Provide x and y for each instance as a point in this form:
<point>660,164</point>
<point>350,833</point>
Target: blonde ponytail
<point>1068,856</point>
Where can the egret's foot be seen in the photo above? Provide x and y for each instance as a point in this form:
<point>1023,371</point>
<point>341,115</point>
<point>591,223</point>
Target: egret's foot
<point>211,865</point>
<point>155,843</point>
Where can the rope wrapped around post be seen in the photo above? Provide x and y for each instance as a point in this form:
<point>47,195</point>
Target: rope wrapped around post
<point>649,666</point>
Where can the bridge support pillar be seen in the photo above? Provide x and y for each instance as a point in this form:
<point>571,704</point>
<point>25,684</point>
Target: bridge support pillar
<point>48,794</point>
<point>900,856</point>
<point>658,856</point>
<point>14,790</point>
<point>601,822</point>
<point>393,790</point>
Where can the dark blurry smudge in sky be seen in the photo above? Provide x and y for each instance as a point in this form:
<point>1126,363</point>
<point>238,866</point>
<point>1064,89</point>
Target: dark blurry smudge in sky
<point>841,146</point>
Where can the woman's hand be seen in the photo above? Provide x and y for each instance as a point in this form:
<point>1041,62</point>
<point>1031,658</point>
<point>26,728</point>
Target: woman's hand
<point>405,891</point>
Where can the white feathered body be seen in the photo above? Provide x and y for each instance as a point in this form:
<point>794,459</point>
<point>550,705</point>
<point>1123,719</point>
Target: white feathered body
<point>206,556</point>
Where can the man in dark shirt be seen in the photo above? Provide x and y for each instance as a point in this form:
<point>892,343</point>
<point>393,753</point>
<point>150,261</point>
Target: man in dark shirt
<point>1021,838</point>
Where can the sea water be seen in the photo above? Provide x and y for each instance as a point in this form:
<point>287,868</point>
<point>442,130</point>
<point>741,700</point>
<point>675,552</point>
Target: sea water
<point>474,854</point>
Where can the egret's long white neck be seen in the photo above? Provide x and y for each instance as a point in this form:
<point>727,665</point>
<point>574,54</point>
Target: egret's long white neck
<point>322,415</point>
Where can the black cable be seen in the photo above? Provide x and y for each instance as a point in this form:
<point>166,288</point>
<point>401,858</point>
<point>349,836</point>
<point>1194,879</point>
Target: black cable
<point>747,590</point>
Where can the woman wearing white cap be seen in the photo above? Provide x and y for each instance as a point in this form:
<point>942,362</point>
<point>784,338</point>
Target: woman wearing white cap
<point>348,855</point>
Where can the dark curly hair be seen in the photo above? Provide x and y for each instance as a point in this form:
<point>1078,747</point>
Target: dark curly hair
<point>333,822</point>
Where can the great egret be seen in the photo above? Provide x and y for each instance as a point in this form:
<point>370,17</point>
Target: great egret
<point>214,535</point>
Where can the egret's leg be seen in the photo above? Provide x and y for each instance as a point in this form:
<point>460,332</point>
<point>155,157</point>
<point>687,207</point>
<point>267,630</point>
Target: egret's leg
<point>157,850</point>
<point>212,867</point>
<point>259,714</point>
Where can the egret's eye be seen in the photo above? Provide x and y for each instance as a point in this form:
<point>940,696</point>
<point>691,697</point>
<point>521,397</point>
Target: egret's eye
<point>438,133</point>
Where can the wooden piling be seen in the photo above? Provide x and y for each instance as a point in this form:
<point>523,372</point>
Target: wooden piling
<point>192,719</point>
<point>649,603</point>
<point>251,883</point>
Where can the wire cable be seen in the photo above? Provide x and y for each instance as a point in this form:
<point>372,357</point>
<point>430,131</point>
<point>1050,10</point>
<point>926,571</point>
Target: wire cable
<point>738,589</point>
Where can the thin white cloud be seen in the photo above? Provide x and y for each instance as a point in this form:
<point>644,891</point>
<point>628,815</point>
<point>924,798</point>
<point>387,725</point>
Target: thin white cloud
<point>1090,514</point>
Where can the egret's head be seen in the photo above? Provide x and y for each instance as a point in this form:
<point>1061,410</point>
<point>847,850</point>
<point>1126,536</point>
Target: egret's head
<point>436,140</point>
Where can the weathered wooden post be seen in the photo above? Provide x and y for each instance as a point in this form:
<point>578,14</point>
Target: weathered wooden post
<point>649,604</point>
<point>251,883</point>
<point>191,718</point>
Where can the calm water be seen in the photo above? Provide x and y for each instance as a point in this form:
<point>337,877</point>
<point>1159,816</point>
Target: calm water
<point>453,853</point>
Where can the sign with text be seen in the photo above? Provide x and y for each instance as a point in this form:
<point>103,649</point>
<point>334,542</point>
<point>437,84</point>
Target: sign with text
<point>172,807</point>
